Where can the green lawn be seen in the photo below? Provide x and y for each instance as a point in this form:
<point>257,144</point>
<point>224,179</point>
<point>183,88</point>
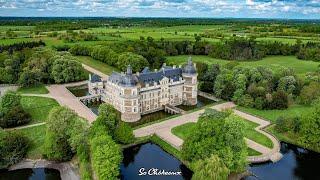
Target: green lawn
<point>38,107</point>
<point>36,136</point>
<point>252,152</point>
<point>41,89</point>
<point>274,62</point>
<point>254,135</point>
<point>103,67</point>
<point>185,130</point>
<point>272,115</point>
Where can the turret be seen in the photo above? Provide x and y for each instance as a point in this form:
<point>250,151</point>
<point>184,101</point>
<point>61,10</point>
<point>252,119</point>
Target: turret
<point>129,85</point>
<point>190,89</point>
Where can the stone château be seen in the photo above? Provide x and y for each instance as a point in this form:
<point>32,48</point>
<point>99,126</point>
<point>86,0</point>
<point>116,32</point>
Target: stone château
<point>148,91</point>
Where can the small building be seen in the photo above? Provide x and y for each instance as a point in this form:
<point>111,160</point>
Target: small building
<point>148,91</point>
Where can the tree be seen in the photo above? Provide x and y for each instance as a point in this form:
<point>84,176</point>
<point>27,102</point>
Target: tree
<point>287,84</point>
<point>66,69</point>
<point>124,133</point>
<point>217,134</point>
<point>209,77</point>
<point>108,117</point>
<point>106,157</point>
<point>137,62</point>
<point>11,112</point>
<point>211,168</point>
<point>309,93</point>
<point>279,100</point>
<point>310,128</point>
<point>56,146</point>
<point>13,148</point>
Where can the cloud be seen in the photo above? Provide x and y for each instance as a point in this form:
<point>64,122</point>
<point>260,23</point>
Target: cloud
<point>175,8</point>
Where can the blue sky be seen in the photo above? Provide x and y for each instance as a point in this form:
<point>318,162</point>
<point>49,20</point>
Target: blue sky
<point>287,9</point>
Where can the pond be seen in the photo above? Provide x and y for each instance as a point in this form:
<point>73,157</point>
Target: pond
<point>150,156</point>
<point>79,91</point>
<point>202,101</point>
<point>297,163</point>
<point>31,174</point>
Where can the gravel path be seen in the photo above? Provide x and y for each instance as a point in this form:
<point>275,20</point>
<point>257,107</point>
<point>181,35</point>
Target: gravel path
<point>163,130</point>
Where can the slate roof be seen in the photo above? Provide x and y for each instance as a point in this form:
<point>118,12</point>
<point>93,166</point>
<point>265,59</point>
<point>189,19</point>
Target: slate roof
<point>95,78</point>
<point>150,77</point>
<point>189,67</point>
<point>166,71</point>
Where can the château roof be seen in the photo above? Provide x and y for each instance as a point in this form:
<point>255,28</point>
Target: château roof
<point>189,67</point>
<point>95,78</point>
<point>150,77</point>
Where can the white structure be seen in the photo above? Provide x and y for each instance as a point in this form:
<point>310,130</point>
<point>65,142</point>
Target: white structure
<point>149,91</point>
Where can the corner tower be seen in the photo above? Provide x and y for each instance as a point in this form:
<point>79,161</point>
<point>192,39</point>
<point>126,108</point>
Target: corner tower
<point>190,87</point>
<point>130,111</point>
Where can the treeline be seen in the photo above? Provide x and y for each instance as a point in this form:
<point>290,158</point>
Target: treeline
<point>20,46</point>
<point>37,66</point>
<point>74,23</point>
<point>260,88</point>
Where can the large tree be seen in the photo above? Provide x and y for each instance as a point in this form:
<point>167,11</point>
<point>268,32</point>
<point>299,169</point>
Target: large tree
<point>217,133</point>
<point>310,128</point>
<point>137,62</point>
<point>211,168</point>
<point>56,146</point>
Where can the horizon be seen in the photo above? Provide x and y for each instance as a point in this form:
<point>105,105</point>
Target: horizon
<point>217,9</point>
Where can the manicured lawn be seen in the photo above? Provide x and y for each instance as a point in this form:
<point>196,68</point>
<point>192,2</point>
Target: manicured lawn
<point>254,135</point>
<point>272,115</point>
<point>36,136</point>
<point>41,89</point>
<point>103,67</point>
<point>185,130</point>
<point>38,107</point>
<point>273,62</point>
<point>252,152</point>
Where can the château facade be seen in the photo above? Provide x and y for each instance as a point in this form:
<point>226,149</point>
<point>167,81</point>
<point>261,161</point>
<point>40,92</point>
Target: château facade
<point>148,91</point>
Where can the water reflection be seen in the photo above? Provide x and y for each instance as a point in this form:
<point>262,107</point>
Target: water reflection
<point>297,163</point>
<point>31,174</point>
<point>149,156</point>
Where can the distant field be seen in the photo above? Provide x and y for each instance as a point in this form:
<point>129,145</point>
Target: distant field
<point>274,62</point>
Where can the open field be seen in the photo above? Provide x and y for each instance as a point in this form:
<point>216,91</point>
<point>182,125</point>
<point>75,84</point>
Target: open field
<point>211,33</point>
<point>36,135</point>
<point>272,115</point>
<point>38,107</point>
<point>273,62</point>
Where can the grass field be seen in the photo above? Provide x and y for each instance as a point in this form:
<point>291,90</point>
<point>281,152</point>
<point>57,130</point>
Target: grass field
<point>273,62</point>
<point>103,67</point>
<point>41,89</point>
<point>36,136</point>
<point>272,115</point>
<point>38,107</point>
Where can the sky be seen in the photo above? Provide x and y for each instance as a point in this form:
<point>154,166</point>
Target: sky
<point>284,9</point>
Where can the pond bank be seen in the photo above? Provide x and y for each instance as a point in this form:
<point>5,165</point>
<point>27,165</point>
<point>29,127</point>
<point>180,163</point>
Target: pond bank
<point>66,169</point>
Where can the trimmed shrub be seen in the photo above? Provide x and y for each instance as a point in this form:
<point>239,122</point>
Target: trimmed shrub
<point>124,134</point>
<point>13,148</point>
